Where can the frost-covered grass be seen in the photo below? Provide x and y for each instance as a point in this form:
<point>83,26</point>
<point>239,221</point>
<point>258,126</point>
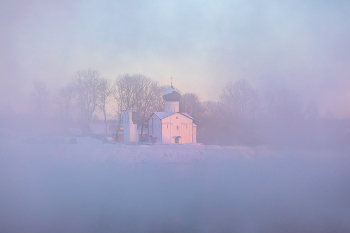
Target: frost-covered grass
<point>95,187</point>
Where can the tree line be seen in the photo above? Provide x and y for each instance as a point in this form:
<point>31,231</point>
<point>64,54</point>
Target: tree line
<point>243,115</point>
<point>88,93</point>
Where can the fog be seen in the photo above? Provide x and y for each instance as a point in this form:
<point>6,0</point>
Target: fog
<point>302,45</point>
<point>266,83</point>
<point>109,188</point>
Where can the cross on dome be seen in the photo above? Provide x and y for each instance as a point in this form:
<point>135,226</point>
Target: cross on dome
<point>171,94</point>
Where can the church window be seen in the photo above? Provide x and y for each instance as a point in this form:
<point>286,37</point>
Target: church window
<point>177,127</point>
<point>176,117</point>
<point>167,126</point>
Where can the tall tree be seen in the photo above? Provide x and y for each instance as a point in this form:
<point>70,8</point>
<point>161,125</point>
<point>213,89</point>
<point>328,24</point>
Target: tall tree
<point>126,93</point>
<point>139,93</point>
<point>158,103</point>
<point>239,99</point>
<point>86,84</point>
<point>105,91</point>
<point>191,104</point>
<point>148,100</point>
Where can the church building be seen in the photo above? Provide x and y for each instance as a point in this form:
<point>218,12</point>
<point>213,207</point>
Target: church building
<point>171,126</point>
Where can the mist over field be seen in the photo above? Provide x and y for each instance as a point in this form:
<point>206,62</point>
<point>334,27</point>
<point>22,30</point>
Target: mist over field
<point>266,83</point>
<point>90,187</point>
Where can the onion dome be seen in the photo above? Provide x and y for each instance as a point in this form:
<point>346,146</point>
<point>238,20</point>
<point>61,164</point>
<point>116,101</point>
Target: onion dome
<point>171,94</point>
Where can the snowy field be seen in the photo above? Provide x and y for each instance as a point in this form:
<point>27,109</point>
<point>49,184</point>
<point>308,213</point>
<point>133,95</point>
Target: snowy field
<point>95,187</point>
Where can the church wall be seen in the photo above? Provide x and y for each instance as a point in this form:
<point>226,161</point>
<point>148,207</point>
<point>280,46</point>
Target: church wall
<point>166,131</point>
<point>176,125</point>
<point>186,129</point>
<point>154,128</point>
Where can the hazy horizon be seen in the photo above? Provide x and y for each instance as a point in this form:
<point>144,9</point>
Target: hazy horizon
<point>299,45</point>
<point>264,146</point>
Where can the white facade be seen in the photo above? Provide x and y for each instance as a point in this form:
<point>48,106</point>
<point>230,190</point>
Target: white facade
<point>171,126</point>
<point>174,128</point>
<point>130,127</point>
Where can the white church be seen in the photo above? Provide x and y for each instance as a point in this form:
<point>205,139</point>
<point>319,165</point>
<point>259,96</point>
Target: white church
<point>171,126</point>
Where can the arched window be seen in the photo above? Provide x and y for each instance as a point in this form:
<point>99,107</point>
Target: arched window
<point>177,127</point>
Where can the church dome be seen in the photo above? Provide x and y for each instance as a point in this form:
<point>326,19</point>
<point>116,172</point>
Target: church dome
<point>171,94</point>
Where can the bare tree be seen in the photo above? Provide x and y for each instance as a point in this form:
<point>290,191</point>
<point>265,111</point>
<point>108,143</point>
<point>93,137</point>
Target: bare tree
<point>148,100</point>
<point>139,93</point>
<point>239,99</point>
<point>127,88</point>
<point>158,103</point>
<point>105,90</point>
<point>191,104</point>
<point>86,85</point>
<point>126,93</point>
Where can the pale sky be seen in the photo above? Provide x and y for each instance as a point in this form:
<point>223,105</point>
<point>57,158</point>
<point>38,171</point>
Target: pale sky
<point>301,45</point>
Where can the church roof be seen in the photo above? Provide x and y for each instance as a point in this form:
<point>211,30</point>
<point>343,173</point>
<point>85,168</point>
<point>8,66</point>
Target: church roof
<point>163,115</point>
<point>186,114</point>
<point>171,94</point>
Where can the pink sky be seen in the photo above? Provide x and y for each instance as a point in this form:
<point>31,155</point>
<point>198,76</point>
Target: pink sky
<point>300,45</point>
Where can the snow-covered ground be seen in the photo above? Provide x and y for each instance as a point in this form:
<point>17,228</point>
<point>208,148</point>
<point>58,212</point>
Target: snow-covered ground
<point>95,187</point>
